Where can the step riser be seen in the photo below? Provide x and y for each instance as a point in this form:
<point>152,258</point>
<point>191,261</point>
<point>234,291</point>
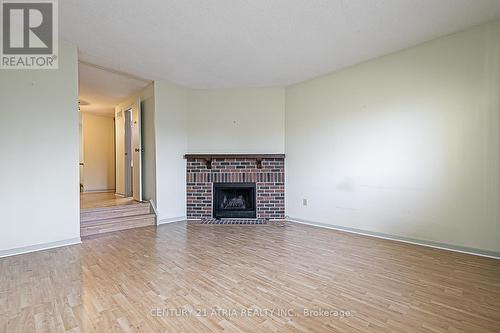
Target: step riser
<point>117,224</point>
<point>100,220</point>
<point>108,214</point>
<point>124,219</point>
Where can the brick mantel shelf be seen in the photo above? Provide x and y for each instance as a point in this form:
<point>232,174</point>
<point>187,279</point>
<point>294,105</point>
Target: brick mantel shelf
<point>209,157</point>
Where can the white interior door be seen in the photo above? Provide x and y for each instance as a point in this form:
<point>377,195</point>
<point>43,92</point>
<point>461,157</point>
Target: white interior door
<point>136,151</point>
<point>128,149</point>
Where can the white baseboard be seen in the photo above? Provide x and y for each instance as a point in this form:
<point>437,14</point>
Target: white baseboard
<point>153,206</point>
<point>171,220</point>
<point>435,245</point>
<point>100,191</point>
<point>39,247</point>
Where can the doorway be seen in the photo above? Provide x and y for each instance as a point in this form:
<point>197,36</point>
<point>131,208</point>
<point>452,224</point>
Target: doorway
<point>111,145</point>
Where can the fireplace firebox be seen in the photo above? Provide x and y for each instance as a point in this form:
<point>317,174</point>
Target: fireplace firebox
<point>234,200</point>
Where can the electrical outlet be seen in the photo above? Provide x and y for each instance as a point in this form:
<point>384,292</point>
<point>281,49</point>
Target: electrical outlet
<point>304,202</point>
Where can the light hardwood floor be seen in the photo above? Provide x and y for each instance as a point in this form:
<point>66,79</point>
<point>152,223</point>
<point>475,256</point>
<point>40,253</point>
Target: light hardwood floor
<point>103,199</point>
<point>134,280</point>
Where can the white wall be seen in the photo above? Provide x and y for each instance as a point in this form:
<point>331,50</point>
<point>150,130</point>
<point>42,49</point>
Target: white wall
<point>236,121</point>
<point>99,152</point>
<point>210,121</point>
<point>407,144</point>
<point>171,145</point>
<point>39,146</point>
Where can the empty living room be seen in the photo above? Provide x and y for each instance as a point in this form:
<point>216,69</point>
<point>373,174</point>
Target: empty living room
<point>250,166</point>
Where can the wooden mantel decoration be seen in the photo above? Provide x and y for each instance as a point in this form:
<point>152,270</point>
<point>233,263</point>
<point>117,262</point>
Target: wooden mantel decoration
<point>209,157</point>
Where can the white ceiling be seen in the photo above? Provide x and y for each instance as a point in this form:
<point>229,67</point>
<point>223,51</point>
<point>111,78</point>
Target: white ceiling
<point>101,90</point>
<point>239,43</point>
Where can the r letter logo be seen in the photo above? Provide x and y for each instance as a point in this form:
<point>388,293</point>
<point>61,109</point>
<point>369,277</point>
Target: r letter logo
<point>29,34</point>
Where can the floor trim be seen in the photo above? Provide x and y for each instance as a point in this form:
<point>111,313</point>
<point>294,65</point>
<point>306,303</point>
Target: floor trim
<point>171,220</point>
<point>153,206</point>
<point>436,245</point>
<point>39,247</point>
<point>111,190</point>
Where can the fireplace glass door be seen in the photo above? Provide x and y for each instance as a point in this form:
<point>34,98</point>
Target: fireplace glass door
<point>234,200</point>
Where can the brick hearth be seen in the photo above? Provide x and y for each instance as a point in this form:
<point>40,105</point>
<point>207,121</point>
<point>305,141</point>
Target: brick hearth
<point>268,173</point>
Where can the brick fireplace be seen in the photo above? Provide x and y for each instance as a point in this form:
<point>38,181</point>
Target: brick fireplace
<point>233,173</point>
